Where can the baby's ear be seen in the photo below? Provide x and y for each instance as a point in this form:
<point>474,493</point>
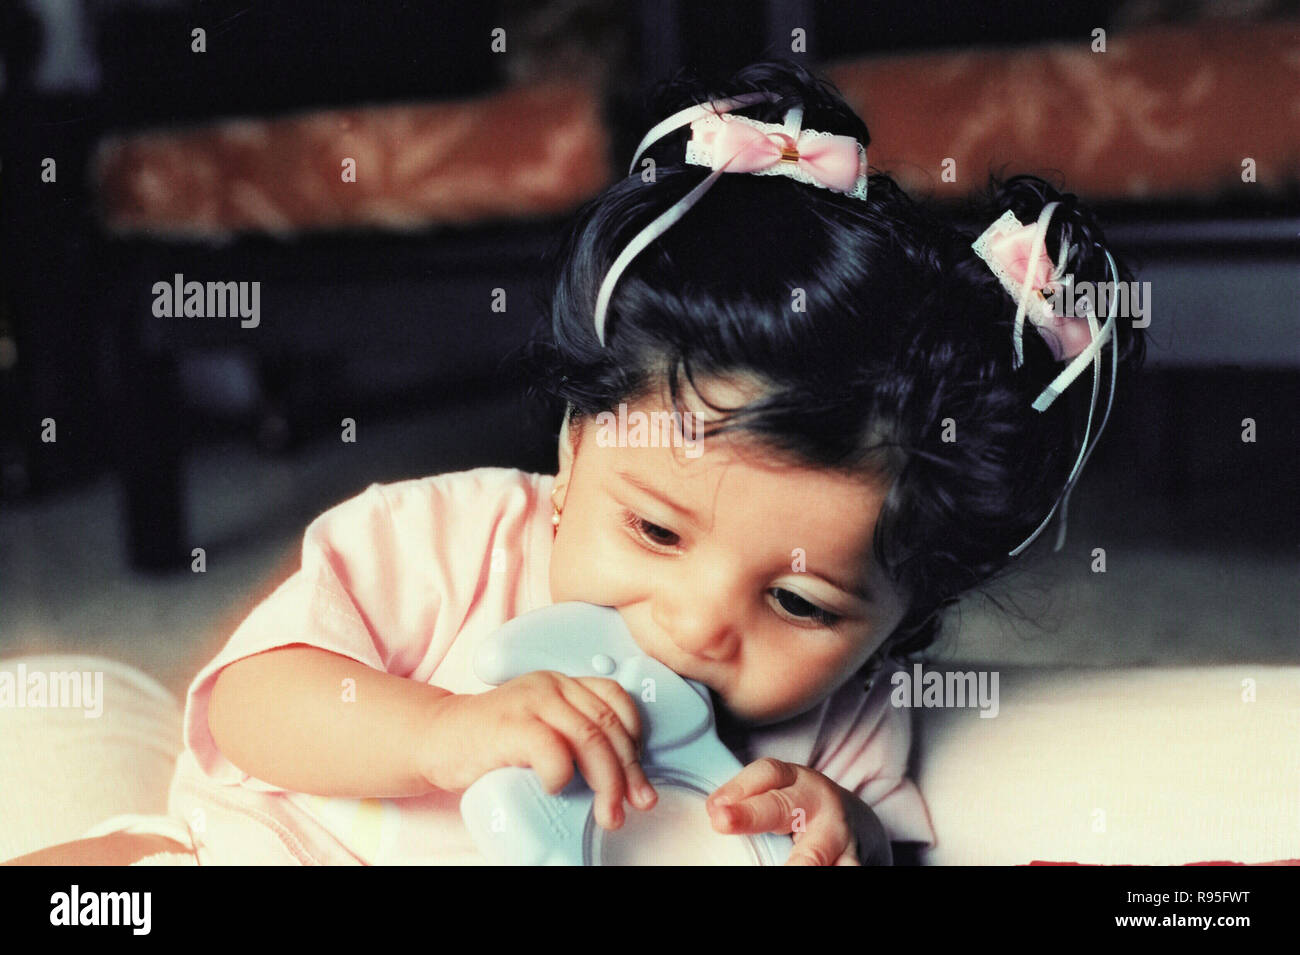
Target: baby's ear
<point>568,444</point>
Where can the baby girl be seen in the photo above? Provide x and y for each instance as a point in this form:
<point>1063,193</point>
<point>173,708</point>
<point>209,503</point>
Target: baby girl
<point>875,435</point>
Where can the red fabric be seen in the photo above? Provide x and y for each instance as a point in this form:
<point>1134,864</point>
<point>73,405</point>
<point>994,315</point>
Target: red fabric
<point>1163,112</point>
<point>526,151</point>
<point>1279,862</point>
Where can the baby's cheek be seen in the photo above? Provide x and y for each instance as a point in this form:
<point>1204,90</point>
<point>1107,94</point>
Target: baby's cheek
<point>813,678</point>
<point>567,577</point>
<point>589,567</point>
<point>777,693</point>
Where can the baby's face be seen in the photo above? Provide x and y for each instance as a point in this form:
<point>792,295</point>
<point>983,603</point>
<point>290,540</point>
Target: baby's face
<point>755,579</point>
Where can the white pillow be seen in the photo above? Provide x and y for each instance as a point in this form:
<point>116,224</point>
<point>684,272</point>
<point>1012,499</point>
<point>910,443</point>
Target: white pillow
<point>1138,766</point>
<point>62,771</point>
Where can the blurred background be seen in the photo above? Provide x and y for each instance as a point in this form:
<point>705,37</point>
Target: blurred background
<point>145,139</point>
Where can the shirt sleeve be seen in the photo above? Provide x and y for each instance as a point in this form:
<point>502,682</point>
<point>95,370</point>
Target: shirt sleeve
<point>364,590</point>
<point>863,744</point>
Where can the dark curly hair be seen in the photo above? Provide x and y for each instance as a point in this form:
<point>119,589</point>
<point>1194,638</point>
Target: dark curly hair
<point>904,327</point>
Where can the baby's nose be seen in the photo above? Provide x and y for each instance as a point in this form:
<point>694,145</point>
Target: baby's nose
<point>702,633</point>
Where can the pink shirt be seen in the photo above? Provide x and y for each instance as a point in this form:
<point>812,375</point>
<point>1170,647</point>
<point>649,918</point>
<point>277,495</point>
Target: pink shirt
<point>408,578</point>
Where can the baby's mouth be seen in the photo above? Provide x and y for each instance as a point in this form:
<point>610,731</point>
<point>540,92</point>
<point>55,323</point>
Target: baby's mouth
<point>685,672</point>
<point>689,671</point>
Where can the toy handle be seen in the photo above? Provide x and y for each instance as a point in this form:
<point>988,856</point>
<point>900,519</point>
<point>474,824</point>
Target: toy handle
<point>506,813</point>
<point>510,816</point>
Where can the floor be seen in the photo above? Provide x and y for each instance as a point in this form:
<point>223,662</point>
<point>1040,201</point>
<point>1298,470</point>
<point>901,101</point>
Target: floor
<point>1178,588</point>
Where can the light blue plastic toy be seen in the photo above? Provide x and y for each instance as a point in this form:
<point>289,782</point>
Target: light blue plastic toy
<point>514,821</point>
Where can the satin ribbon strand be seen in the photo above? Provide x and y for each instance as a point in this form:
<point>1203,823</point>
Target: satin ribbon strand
<point>1093,351</point>
<point>647,235</point>
<point>690,114</point>
<point>670,216</point>
<point>1110,401</point>
<point>793,122</point>
<point>1027,291</point>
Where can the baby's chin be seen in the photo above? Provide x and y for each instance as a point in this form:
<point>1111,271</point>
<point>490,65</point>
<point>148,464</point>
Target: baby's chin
<point>751,714</point>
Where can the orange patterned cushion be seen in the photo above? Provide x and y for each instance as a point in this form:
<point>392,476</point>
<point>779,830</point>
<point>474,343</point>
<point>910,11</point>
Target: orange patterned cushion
<point>526,151</point>
<point>1163,112</point>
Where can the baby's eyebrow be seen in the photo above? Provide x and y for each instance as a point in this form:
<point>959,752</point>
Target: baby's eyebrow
<point>659,495</point>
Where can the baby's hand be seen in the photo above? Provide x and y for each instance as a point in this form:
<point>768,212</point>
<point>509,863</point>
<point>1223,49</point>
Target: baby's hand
<point>544,720</point>
<point>831,826</point>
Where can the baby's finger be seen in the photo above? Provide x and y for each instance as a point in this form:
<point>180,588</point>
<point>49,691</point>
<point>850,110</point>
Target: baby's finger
<point>546,751</point>
<point>616,697</point>
<point>608,705</point>
<point>759,776</point>
<point>821,845</point>
<point>590,741</point>
<point>598,696</point>
<point>772,811</point>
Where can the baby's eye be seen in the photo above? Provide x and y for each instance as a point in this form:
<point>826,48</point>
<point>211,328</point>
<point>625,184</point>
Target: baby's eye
<point>659,534</point>
<point>652,533</point>
<point>801,609</point>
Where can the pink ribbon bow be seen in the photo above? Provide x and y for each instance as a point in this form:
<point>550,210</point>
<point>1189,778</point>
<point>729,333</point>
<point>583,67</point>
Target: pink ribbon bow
<point>1016,258</point>
<point>740,147</point>
<point>1017,255</point>
<point>733,145</point>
